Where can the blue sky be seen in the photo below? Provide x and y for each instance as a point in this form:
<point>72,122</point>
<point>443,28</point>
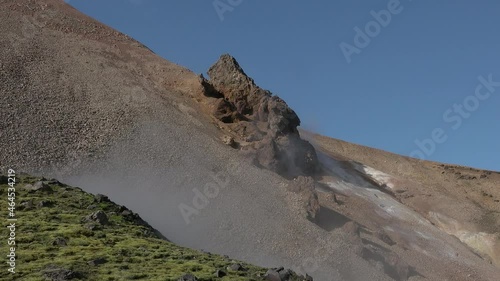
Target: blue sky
<point>412,78</point>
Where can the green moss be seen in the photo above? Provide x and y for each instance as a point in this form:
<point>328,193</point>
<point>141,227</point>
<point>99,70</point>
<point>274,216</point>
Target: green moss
<point>132,251</point>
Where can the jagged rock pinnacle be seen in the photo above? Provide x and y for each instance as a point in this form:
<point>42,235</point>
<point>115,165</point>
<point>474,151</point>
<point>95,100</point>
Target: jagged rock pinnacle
<point>243,103</point>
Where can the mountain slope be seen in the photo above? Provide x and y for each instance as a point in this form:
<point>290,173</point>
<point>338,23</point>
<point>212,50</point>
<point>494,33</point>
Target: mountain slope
<point>466,195</point>
<point>82,81</point>
<point>218,164</point>
<point>93,108</point>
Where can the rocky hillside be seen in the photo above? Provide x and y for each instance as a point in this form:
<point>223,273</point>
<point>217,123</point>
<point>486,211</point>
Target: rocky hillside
<point>461,201</point>
<point>219,164</point>
<point>64,233</point>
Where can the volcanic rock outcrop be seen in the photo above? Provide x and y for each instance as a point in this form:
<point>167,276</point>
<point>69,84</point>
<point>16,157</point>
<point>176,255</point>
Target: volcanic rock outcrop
<point>305,186</point>
<point>264,124</point>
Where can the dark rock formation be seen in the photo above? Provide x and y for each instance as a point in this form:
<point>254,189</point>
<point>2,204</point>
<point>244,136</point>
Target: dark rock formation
<point>305,186</point>
<point>100,217</point>
<point>99,198</point>
<point>4,179</point>
<point>229,79</point>
<point>97,262</point>
<point>45,203</point>
<point>59,241</point>
<point>56,273</point>
<point>260,119</point>
<point>220,273</point>
<point>272,275</point>
<point>312,205</point>
<point>39,186</point>
<point>235,267</point>
<point>282,274</point>
<point>27,205</point>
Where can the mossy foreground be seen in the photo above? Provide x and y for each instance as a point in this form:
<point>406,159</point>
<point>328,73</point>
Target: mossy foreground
<point>57,240</point>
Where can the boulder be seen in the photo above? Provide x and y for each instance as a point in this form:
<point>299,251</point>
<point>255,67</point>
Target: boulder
<point>92,227</point>
<point>99,198</point>
<point>282,274</point>
<point>97,262</point>
<point>55,182</point>
<point>39,186</point>
<point>27,205</point>
<point>285,274</point>
<point>235,267</point>
<point>59,241</point>
<point>220,273</point>
<point>57,273</point>
<point>272,275</point>
<point>4,179</point>
<point>281,119</point>
<point>311,203</point>
<point>306,187</point>
<point>126,213</point>
<point>45,203</point>
<point>99,217</point>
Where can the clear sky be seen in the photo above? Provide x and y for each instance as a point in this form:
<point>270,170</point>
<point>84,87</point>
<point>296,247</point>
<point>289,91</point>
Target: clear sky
<point>348,72</point>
